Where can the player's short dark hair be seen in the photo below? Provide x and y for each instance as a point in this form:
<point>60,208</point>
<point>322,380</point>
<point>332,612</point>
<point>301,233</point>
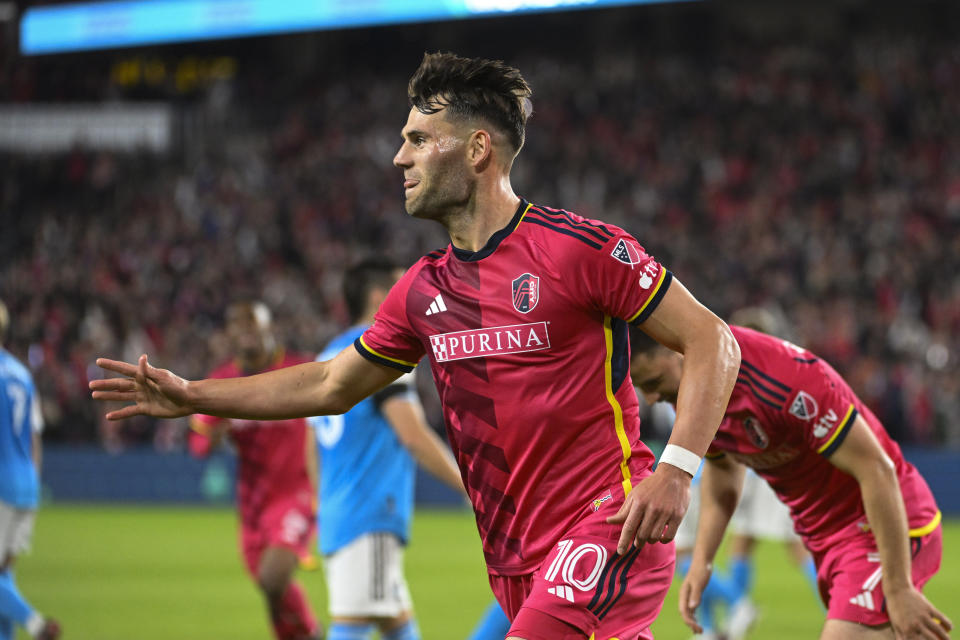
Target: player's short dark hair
<point>473,88</point>
<point>640,342</point>
<point>361,278</point>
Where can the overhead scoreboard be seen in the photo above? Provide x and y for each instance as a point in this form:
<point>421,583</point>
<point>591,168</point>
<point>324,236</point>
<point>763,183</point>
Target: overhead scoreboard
<point>86,26</point>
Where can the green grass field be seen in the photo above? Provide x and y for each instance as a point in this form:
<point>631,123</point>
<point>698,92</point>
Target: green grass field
<point>143,573</point>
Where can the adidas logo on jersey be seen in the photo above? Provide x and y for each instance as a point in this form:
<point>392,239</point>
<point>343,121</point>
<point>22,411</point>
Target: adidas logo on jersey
<point>562,591</point>
<point>865,598</point>
<point>437,306</point>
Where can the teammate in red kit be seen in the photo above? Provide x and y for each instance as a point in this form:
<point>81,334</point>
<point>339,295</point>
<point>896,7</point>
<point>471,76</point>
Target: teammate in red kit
<point>523,319</point>
<point>865,514</point>
<point>276,478</point>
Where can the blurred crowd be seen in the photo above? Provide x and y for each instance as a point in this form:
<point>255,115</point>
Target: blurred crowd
<point>821,179</point>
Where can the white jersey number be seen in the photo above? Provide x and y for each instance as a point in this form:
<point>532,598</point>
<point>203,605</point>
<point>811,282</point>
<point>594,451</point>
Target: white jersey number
<point>568,559</point>
<point>329,430</point>
<point>17,395</point>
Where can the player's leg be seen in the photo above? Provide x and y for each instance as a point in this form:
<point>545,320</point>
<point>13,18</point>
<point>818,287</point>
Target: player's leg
<point>273,542</point>
<point>493,625</point>
<point>16,528</point>
<point>290,611</point>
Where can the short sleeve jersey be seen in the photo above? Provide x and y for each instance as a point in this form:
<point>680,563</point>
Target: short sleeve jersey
<point>528,346</point>
<point>20,419</point>
<point>271,455</point>
<point>789,411</point>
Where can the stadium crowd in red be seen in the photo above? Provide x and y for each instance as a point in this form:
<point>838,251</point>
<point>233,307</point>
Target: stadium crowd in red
<point>822,178</point>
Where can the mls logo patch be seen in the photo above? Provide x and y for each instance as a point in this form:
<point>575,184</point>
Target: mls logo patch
<point>804,406</point>
<point>757,435</point>
<point>526,293</point>
<point>626,253</point>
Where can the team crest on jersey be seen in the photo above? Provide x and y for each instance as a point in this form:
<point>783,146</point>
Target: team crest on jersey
<point>599,502</point>
<point>758,437</point>
<point>804,406</point>
<point>626,253</point>
<point>526,292</point>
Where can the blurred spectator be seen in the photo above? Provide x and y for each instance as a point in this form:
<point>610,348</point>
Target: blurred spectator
<point>820,175</point>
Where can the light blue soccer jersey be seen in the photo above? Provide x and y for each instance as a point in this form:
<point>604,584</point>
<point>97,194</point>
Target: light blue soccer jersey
<point>366,474</point>
<point>19,420</point>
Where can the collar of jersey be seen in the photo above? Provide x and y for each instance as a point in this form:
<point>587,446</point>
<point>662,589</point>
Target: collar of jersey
<point>495,239</point>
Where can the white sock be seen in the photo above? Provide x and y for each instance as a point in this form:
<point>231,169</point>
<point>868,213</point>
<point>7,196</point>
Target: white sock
<point>34,624</point>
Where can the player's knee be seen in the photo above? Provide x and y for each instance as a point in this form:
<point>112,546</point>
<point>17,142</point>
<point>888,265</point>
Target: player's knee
<point>273,584</point>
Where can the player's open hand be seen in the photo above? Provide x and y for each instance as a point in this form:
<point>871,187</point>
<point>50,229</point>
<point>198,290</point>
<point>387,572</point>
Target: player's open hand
<point>913,617</point>
<point>691,593</point>
<point>154,392</point>
<point>653,510</point>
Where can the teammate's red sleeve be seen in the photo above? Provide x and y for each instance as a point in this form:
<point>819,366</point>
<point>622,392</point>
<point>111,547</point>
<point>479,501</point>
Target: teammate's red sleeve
<point>390,341</point>
<point>622,279</point>
<point>199,442</point>
<point>824,407</point>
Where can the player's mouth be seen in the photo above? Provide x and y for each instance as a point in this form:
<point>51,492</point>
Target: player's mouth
<point>410,184</point>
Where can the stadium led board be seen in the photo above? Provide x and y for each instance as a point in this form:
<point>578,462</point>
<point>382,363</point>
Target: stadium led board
<point>130,23</point>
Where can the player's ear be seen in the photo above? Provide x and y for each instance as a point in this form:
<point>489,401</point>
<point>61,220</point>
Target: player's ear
<point>479,149</point>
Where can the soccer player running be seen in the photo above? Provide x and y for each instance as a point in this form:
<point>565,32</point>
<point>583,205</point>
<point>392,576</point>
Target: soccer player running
<point>20,426</point>
<point>275,479</point>
<point>366,483</point>
<point>523,319</point>
<point>865,514</point>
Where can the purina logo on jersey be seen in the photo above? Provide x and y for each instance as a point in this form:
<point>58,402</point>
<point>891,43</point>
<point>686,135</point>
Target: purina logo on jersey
<point>526,292</point>
<point>758,437</point>
<point>804,406</point>
<point>495,341</point>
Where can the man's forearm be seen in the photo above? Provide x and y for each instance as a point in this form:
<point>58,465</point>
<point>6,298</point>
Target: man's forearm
<point>292,392</point>
<point>710,368</point>
<point>887,517</point>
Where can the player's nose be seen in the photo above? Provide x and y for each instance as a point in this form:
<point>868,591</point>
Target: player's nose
<point>401,160</point>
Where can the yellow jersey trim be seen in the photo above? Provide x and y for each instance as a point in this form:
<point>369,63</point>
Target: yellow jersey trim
<point>653,295</point>
<point>522,215</point>
<point>203,428</point>
<point>380,355</point>
<point>928,528</point>
<point>843,427</point>
<point>617,411</point>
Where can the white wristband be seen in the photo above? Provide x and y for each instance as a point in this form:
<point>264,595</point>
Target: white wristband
<point>681,458</point>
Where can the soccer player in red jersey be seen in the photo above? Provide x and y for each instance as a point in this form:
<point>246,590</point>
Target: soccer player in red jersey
<point>276,478</point>
<point>523,320</point>
<point>865,514</point>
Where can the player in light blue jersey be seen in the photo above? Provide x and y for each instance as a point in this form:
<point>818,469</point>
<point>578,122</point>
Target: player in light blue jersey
<point>20,427</point>
<point>367,482</point>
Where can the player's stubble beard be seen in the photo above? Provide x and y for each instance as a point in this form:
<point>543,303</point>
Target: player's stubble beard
<point>444,191</point>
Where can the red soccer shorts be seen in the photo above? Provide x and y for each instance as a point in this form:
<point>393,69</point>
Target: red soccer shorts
<point>850,579</point>
<point>289,523</point>
<point>584,589</point>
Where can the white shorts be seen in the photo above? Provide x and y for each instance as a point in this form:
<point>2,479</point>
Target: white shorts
<point>16,529</point>
<point>365,578</point>
<point>760,513</point>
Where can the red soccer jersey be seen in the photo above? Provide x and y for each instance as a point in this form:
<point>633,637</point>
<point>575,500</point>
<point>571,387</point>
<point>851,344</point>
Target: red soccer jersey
<point>789,411</point>
<point>528,346</point>
<point>271,455</point>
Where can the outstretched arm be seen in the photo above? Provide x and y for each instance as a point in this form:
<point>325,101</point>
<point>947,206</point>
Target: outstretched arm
<point>720,487</point>
<point>312,389</point>
<point>655,507</point>
<point>861,455</point>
